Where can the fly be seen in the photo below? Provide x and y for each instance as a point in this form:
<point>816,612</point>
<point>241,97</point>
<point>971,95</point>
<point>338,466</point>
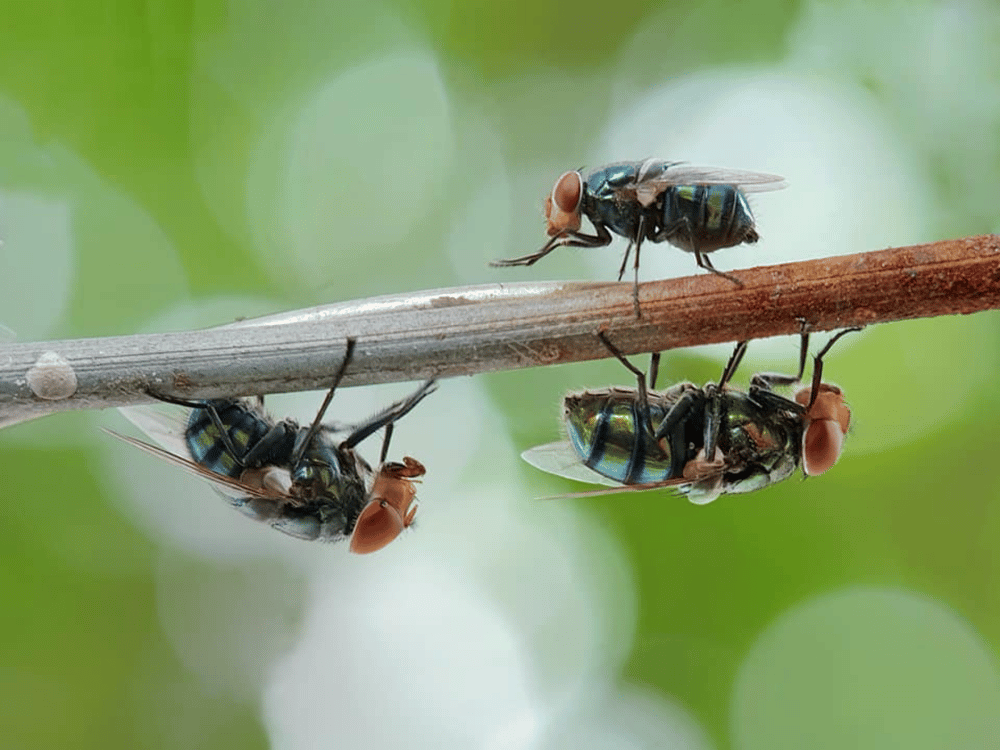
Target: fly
<point>698,209</point>
<point>703,442</point>
<point>293,478</point>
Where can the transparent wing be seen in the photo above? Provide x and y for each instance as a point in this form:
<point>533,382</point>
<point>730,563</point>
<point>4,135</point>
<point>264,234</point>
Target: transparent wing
<point>560,459</point>
<point>676,486</point>
<point>267,483</point>
<point>684,174</point>
<point>164,424</point>
<point>656,176</point>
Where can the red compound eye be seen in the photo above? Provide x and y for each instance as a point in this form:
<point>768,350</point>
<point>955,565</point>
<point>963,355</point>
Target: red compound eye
<point>568,191</point>
<point>391,509</point>
<point>829,404</point>
<point>378,525</point>
<point>562,206</point>
<point>821,446</point>
<point>830,417</point>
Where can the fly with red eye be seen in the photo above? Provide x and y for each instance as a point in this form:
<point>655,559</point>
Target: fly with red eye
<point>293,478</point>
<point>698,209</point>
<point>702,442</point>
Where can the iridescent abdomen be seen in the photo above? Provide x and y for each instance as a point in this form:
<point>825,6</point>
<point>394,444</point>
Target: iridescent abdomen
<point>204,442</point>
<point>706,217</point>
<point>605,431</point>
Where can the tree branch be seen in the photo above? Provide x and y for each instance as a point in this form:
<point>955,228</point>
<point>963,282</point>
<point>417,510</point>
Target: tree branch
<point>470,330</point>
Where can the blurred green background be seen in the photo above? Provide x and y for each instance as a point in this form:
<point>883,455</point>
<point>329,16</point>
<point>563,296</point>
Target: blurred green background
<point>162,153</point>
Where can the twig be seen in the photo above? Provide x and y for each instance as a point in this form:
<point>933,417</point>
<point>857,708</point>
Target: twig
<point>469,330</point>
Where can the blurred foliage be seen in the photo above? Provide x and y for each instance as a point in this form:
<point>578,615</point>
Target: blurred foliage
<point>164,106</point>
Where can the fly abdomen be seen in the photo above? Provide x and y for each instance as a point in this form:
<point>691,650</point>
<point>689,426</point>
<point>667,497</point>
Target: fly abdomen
<point>706,217</point>
<point>606,431</point>
<point>204,441</point>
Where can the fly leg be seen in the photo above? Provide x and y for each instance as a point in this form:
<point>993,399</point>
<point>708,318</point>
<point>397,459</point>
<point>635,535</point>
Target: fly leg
<point>628,251</point>
<point>568,239</point>
<point>734,361</point>
<point>702,258</point>
<point>706,469</point>
<point>387,417</point>
<point>704,262</point>
<point>682,228</point>
<point>672,429</point>
<point>640,378</point>
<point>713,410</point>
<point>817,377</point>
<point>637,242</point>
<point>386,439</point>
<point>210,407</point>
<point>763,383</point>
<point>304,439</point>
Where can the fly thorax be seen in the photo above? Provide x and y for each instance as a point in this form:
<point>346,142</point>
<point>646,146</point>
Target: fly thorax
<point>342,503</point>
<point>759,437</point>
<point>758,440</point>
<point>609,198</point>
<point>317,473</point>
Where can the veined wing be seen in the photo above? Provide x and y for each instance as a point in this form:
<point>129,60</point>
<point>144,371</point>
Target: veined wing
<point>560,459</point>
<point>655,177</point>
<point>684,174</point>
<point>164,424</point>
<point>268,483</point>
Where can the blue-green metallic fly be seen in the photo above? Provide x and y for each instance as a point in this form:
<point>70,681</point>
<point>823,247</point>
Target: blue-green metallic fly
<point>702,442</point>
<point>698,209</point>
<point>293,478</point>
